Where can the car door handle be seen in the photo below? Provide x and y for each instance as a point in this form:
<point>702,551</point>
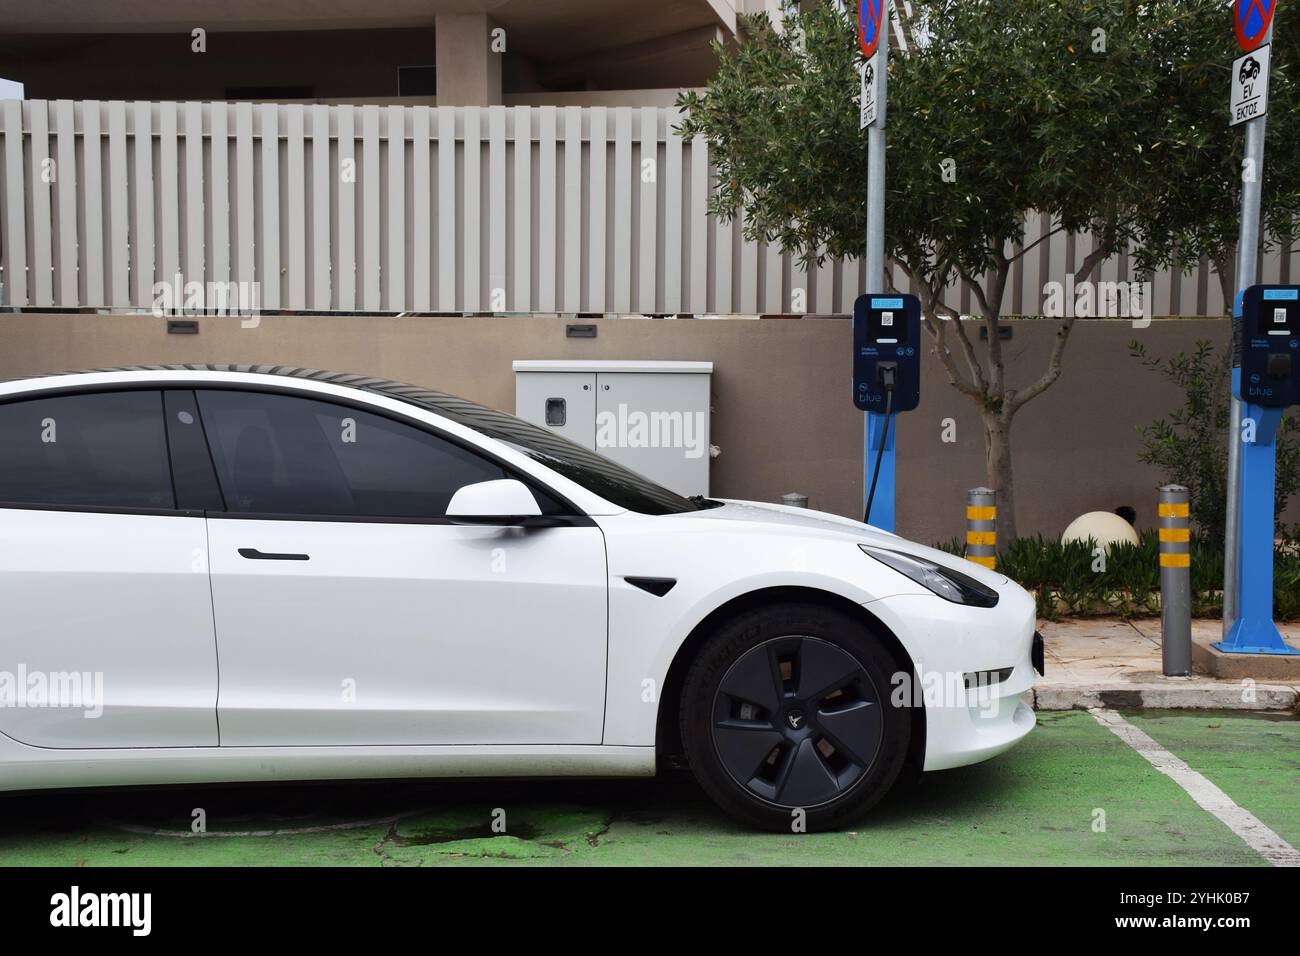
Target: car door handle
<point>254,555</point>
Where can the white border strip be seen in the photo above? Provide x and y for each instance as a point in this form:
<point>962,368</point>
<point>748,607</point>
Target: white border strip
<point>1209,797</point>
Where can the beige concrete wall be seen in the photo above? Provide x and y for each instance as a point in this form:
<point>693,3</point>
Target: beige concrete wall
<point>781,408</point>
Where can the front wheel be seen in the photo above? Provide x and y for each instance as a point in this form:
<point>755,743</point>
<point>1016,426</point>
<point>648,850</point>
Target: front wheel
<point>787,722</point>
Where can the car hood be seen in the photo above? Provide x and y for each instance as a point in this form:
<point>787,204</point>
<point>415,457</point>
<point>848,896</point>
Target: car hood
<point>782,519</point>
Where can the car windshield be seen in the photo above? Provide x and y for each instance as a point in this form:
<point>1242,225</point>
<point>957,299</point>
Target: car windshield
<point>593,471</point>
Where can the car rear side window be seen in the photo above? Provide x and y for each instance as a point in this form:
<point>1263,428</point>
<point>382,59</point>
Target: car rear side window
<point>102,450</point>
<point>285,455</point>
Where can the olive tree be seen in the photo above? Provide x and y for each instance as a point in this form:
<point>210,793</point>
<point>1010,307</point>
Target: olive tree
<point>1195,212</point>
<point>1001,108</point>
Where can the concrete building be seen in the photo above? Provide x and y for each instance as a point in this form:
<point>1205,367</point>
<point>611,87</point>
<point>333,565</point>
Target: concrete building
<point>547,125</point>
<point>448,52</point>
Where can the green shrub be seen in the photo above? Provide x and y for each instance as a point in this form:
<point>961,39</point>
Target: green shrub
<point>1286,585</point>
<point>1074,580</point>
<point>1189,446</point>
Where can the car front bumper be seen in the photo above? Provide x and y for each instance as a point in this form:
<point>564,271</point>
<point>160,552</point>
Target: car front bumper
<point>972,669</point>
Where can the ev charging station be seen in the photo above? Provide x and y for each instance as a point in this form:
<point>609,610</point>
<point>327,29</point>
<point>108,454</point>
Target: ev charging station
<point>1266,368</point>
<point>1266,379</point>
<point>886,381</point>
<point>886,326</point>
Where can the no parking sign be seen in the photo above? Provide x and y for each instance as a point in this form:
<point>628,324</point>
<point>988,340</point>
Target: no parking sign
<point>1251,20</point>
<point>871,17</point>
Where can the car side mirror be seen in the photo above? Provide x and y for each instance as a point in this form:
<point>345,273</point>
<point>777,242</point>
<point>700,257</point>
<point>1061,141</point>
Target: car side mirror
<point>506,501</point>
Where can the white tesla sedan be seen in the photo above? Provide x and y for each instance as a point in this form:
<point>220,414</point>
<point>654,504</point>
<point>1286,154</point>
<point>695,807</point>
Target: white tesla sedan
<point>231,574</point>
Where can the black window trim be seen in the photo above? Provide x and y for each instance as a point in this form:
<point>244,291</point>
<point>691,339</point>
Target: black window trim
<point>576,519</point>
<point>101,509</point>
<point>188,485</point>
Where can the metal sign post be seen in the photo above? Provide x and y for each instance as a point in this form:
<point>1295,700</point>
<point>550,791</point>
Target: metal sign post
<point>873,36</point>
<point>1253,25</point>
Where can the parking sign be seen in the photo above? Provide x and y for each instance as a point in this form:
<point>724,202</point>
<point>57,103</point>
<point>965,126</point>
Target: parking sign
<point>1251,20</point>
<point>867,101</point>
<point>1250,85</point>
<point>871,18</point>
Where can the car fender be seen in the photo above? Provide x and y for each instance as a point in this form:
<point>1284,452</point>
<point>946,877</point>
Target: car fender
<point>646,631</point>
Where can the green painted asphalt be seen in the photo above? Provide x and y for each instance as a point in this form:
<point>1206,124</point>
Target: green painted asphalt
<point>1041,804</point>
<point>1255,762</point>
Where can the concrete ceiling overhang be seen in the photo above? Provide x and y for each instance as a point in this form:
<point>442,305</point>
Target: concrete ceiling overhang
<point>547,30</point>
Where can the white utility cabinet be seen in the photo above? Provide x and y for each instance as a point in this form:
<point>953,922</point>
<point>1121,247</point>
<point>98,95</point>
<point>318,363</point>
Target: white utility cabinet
<point>651,417</point>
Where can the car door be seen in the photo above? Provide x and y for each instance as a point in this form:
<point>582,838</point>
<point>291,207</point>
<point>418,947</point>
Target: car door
<point>349,610</point>
<point>106,632</point>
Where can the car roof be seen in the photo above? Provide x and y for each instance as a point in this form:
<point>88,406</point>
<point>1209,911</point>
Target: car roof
<point>459,410</point>
<point>450,406</point>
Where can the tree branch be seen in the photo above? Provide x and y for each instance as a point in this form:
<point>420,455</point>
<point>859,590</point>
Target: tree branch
<point>937,328</point>
<point>1017,400</point>
<point>1105,247</point>
<point>968,351</point>
<point>1037,242</point>
<point>990,308</point>
<point>1091,261</point>
<point>978,289</point>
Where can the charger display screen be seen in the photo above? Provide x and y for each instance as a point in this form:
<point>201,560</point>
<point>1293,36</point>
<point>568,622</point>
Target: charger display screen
<point>886,321</point>
<point>1279,313</point>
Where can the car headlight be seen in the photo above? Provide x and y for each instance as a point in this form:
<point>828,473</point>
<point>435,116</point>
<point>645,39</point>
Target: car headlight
<point>948,584</point>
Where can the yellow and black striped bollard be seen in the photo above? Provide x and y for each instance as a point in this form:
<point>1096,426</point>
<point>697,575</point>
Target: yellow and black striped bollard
<point>981,527</point>
<point>1175,581</point>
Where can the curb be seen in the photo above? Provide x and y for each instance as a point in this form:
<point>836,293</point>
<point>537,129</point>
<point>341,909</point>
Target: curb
<point>1125,696</point>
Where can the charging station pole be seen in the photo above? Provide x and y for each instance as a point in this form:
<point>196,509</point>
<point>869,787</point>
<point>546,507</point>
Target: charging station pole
<point>1253,25</point>
<point>873,35</point>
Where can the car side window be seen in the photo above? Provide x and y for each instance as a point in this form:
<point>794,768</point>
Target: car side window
<point>287,455</point>
<point>101,450</point>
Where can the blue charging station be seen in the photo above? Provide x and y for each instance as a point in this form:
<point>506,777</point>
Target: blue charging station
<point>886,381</point>
<point>1266,377</point>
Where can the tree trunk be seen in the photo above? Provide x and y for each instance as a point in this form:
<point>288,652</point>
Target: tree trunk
<point>997,443</point>
<point>1226,268</point>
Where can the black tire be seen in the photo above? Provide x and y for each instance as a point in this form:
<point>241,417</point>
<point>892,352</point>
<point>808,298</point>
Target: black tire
<point>823,738</point>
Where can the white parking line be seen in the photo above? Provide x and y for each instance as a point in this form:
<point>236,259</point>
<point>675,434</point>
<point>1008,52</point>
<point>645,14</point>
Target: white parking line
<point>1240,821</point>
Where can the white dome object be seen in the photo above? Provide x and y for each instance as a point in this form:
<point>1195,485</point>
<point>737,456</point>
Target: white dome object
<point>1105,528</point>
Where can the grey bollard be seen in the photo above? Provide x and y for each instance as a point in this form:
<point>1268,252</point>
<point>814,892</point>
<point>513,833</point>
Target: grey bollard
<point>795,500</point>
<point>982,527</point>
<point>1175,581</point>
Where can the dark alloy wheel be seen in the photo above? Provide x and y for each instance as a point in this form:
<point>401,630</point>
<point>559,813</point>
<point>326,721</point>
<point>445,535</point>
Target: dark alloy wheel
<point>797,721</point>
<point>786,710</point>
